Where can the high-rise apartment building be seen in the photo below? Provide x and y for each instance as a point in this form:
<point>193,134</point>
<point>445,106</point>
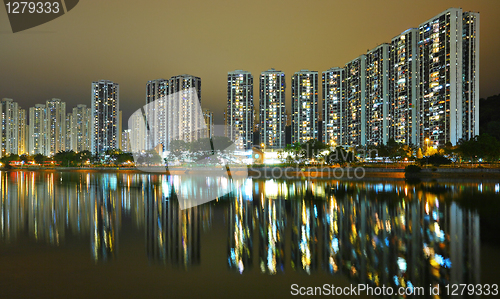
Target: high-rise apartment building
<point>22,144</point>
<point>448,46</point>
<point>209,121</point>
<point>172,112</point>
<point>125,146</point>
<point>272,109</point>
<point>56,125</point>
<point>137,133</point>
<point>69,125</point>
<point>105,116</point>
<point>470,75</point>
<point>81,128</point>
<point>240,108</point>
<point>403,79</point>
<point>120,117</point>
<point>38,141</point>
<point>305,106</point>
<point>377,95</point>
<point>355,100</point>
<point>334,111</point>
<point>422,88</point>
<point>185,120</point>
<point>9,127</point>
<point>156,110</point>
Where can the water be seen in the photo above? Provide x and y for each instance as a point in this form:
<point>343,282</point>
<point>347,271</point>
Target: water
<point>80,234</point>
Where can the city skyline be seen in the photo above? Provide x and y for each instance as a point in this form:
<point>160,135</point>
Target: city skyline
<point>125,64</point>
<point>422,88</point>
<point>256,149</point>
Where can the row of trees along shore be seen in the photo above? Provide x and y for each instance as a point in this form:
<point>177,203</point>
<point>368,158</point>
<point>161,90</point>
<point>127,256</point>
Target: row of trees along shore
<point>70,159</point>
<point>480,149</point>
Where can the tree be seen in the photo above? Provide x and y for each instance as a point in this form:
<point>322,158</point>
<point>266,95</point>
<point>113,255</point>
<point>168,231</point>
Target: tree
<point>123,158</point>
<point>489,116</point>
<point>201,145</point>
<point>419,154</point>
<point>493,129</point>
<point>448,148</point>
<point>39,158</point>
<point>294,152</point>
<point>24,158</point>
<point>66,158</point>
<point>340,156</point>
<point>483,147</point>
<point>84,156</point>
<point>5,160</point>
<point>312,148</point>
<point>435,160</point>
<point>392,149</point>
<point>405,151</point>
<point>177,147</point>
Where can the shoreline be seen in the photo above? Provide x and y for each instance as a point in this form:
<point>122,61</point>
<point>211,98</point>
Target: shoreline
<point>355,173</point>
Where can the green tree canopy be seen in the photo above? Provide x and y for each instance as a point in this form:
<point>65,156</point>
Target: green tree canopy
<point>483,146</point>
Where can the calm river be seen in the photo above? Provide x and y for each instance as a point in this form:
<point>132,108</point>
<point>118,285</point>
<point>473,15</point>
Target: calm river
<point>81,235</point>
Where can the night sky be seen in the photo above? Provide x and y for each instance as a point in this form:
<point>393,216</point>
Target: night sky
<point>131,42</point>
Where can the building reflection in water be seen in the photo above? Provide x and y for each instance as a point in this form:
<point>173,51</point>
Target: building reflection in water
<point>240,229</point>
<point>395,233</point>
<point>272,223</point>
<point>304,235</point>
<point>172,234</point>
<point>46,219</point>
<point>105,207</point>
<point>402,237</point>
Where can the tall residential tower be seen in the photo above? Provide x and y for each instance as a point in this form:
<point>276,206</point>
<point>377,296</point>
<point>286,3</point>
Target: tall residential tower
<point>156,103</point>
<point>37,137</point>
<point>272,109</point>
<point>355,102</point>
<point>81,128</point>
<point>377,95</point>
<point>104,112</point>
<point>305,106</point>
<point>9,127</point>
<point>185,119</point>
<point>56,126</point>
<point>334,110</point>
<point>240,108</point>
<point>403,78</point>
<point>448,46</point>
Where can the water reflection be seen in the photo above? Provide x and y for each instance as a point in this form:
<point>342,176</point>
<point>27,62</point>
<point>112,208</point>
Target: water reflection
<point>272,221</point>
<point>105,202</point>
<point>172,234</point>
<point>392,234</point>
<point>304,235</point>
<point>400,236</point>
<point>240,238</point>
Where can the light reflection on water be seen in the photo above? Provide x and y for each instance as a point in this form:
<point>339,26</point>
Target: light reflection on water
<point>379,233</point>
